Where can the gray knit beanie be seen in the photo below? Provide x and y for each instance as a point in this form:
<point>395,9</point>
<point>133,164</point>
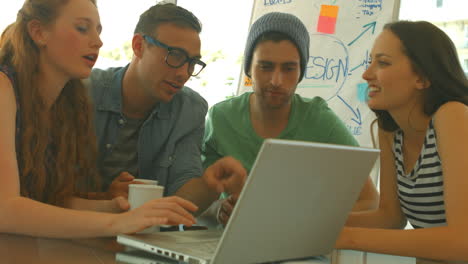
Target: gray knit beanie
<point>278,22</point>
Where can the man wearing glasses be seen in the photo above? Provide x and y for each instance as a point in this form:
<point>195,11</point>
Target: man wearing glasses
<point>148,124</point>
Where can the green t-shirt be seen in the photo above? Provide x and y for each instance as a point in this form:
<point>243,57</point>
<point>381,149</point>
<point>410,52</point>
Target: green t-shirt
<point>229,131</point>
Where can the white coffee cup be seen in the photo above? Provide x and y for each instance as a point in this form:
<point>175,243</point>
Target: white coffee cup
<point>146,181</point>
<point>139,194</point>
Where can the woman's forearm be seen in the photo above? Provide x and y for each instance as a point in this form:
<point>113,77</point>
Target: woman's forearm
<point>439,243</point>
<point>107,206</point>
<point>21,215</point>
<point>377,218</point>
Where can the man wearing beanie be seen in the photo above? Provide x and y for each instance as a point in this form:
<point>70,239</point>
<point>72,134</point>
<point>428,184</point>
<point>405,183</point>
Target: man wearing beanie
<point>275,58</point>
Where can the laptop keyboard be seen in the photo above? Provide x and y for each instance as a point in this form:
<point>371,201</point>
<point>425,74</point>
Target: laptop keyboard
<point>207,247</point>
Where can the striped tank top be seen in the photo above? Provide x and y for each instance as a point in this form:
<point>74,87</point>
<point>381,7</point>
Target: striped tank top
<point>421,192</point>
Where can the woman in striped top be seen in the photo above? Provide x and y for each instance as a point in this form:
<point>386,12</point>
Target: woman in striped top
<point>419,92</point>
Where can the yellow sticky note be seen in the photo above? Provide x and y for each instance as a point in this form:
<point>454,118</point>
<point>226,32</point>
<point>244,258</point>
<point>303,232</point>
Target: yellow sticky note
<point>247,81</point>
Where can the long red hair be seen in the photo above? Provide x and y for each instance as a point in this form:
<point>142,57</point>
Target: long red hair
<point>57,146</point>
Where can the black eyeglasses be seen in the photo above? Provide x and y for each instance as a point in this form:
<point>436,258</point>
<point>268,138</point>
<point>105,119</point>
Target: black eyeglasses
<point>177,57</point>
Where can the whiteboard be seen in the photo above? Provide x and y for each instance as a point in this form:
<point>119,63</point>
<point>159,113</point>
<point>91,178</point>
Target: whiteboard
<point>341,36</point>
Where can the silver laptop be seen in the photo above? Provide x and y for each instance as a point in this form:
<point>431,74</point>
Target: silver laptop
<point>293,205</point>
<point>141,257</point>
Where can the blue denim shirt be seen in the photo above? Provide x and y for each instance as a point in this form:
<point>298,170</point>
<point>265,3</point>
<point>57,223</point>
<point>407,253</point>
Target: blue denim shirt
<point>169,143</point>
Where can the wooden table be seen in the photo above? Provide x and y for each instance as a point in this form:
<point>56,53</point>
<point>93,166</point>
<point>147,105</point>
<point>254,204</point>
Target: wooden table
<point>17,249</point>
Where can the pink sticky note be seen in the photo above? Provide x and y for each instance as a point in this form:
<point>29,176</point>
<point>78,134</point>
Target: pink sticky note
<point>326,24</point>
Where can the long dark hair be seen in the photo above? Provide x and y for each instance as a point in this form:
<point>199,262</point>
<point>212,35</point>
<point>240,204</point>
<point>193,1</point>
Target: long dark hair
<point>434,57</point>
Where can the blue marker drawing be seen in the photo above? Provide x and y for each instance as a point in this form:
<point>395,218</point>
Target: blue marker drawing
<point>275,2</point>
<point>362,92</point>
<point>357,113</point>
<point>366,27</point>
<point>327,73</point>
<point>369,8</point>
<point>365,62</point>
<point>355,130</point>
<point>327,68</point>
<point>355,68</point>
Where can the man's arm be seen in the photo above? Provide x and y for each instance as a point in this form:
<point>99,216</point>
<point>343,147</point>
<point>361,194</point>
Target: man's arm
<point>225,175</point>
<point>187,163</point>
<point>197,191</point>
<point>209,150</point>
